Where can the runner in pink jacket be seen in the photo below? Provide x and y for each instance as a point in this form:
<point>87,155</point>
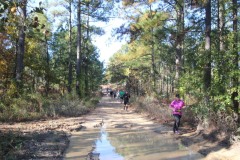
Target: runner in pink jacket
<point>176,106</point>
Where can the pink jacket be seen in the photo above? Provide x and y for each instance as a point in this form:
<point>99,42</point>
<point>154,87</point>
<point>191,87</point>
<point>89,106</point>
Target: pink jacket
<point>177,106</point>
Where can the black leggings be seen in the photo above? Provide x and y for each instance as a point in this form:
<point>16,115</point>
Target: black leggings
<point>126,102</point>
<point>177,118</point>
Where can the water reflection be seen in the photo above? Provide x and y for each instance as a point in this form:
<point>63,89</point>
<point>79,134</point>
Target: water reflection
<point>103,148</point>
<point>140,145</point>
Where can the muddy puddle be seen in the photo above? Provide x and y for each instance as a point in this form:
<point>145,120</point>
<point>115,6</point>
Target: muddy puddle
<point>127,144</point>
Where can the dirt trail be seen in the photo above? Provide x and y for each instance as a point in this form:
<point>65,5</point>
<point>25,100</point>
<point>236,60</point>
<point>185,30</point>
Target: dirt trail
<point>127,134</point>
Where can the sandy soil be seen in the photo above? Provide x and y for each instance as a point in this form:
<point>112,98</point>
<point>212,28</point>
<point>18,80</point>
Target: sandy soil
<point>49,139</point>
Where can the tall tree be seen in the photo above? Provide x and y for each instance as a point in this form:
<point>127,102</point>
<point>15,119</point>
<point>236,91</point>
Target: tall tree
<point>207,66</point>
<point>235,78</point>
<point>70,76</point>
<point>21,41</point>
<point>221,45</point>
<point>79,51</point>
<point>152,43</point>
<point>221,23</point>
<point>179,38</point>
<point>47,76</point>
<point>86,57</point>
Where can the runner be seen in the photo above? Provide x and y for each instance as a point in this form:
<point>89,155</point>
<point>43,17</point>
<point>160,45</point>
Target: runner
<point>126,97</point>
<point>176,106</point>
<point>121,93</point>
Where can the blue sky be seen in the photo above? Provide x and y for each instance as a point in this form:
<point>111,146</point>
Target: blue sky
<point>107,44</point>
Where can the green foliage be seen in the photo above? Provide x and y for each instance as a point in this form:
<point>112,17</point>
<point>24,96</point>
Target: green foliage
<point>21,108</point>
<point>201,110</point>
<point>12,91</point>
<point>156,36</point>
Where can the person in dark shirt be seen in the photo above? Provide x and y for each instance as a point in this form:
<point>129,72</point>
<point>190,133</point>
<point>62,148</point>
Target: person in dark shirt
<point>126,97</point>
<point>111,93</point>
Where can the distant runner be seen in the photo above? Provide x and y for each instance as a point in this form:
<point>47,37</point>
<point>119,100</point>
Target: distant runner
<point>126,97</point>
<point>121,93</point>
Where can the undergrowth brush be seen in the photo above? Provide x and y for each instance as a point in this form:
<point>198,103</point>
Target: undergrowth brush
<point>35,106</point>
<point>153,108</point>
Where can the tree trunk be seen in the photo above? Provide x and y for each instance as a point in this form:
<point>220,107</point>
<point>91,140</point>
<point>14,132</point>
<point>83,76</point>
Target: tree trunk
<point>162,84</point>
<point>48,67</point>
<point>87,54</point>
<point>221,24</point>
<point>79,56</point>
<point>221,46</point>
<point>153,55</point>
<point>179,39</point>
<point>207,67</point>
<point>21,43</point>
<point>167,86</point>
<point>235,78</point>
<point>203,123</point>
<point>70,49</point>
<point>172,79</point>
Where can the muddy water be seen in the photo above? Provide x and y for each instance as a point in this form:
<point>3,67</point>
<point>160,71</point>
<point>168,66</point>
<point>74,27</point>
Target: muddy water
<point>122,137</point>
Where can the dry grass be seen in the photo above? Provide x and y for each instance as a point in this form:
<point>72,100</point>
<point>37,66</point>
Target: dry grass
<point>153,108</point>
